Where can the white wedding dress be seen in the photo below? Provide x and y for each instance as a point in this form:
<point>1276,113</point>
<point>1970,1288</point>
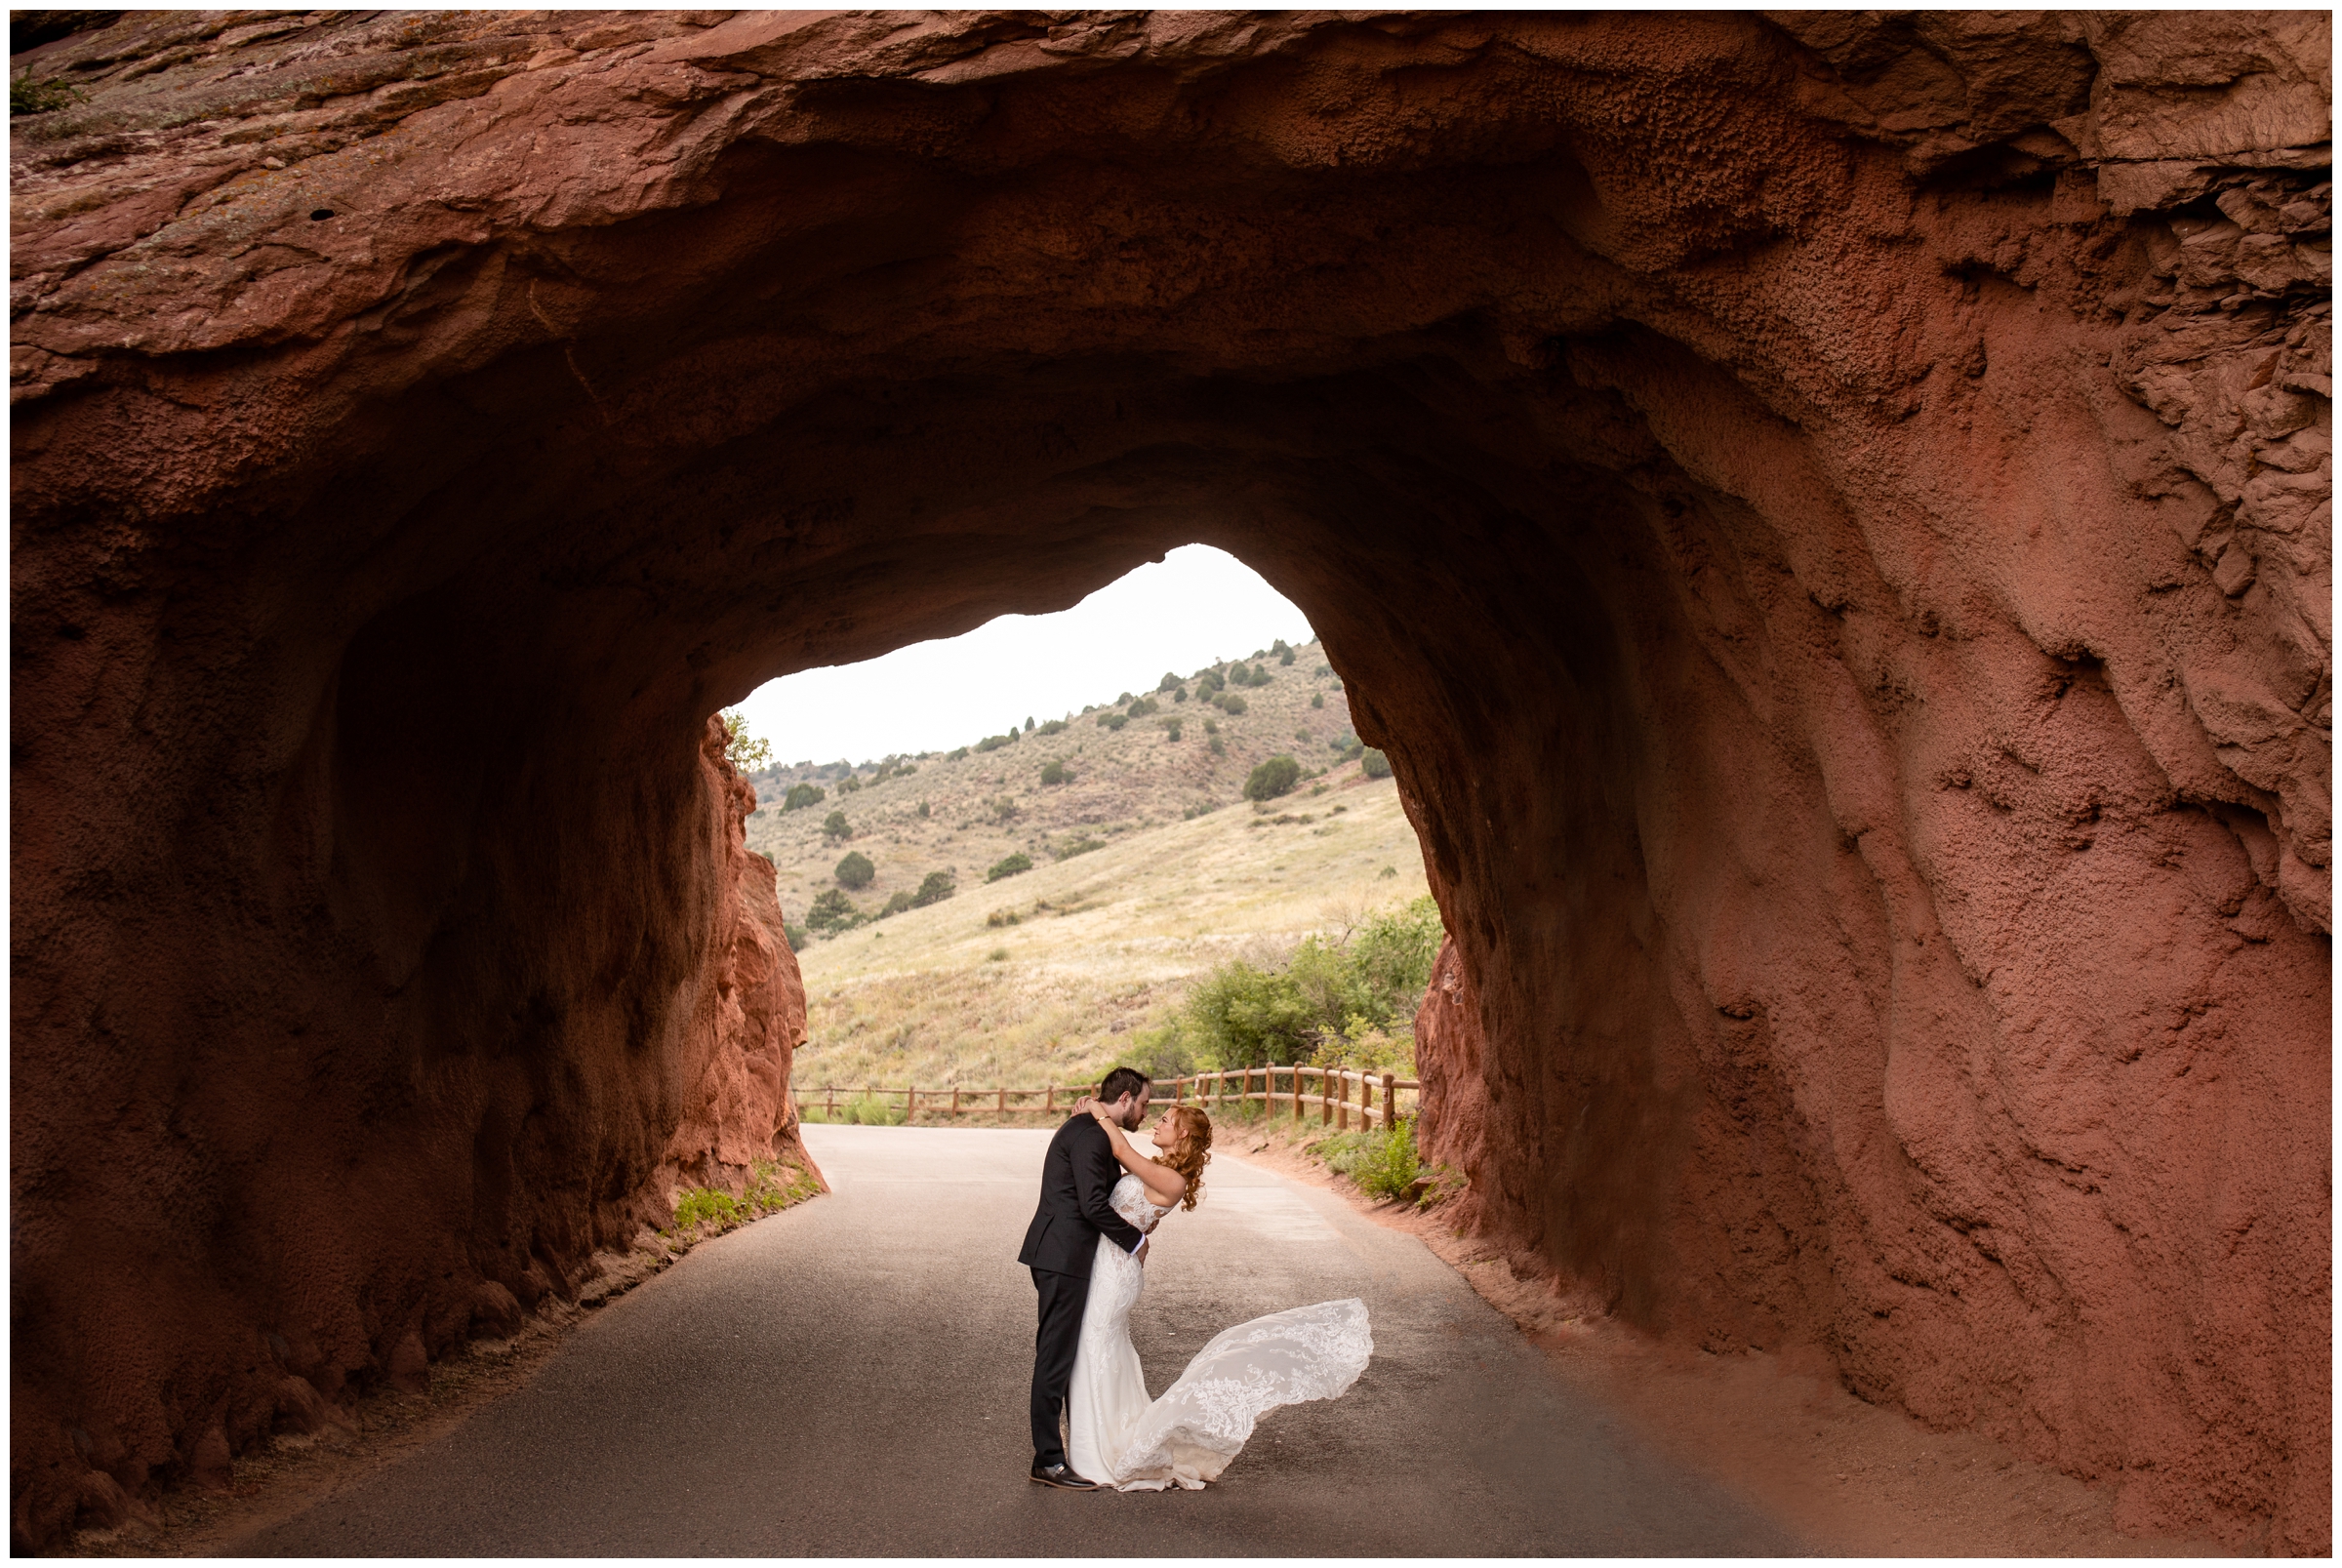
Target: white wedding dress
<point>1116,1437</point>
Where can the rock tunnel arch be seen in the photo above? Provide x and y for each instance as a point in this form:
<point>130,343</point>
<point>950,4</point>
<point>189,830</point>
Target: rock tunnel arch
<point>1884,846</point>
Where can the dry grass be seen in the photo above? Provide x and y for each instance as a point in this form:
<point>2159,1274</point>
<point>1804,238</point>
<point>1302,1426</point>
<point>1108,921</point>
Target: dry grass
<point>1103,943</point>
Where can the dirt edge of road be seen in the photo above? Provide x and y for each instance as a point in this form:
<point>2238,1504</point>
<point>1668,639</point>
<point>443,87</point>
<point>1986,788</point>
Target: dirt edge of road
<point>1779,1431</point>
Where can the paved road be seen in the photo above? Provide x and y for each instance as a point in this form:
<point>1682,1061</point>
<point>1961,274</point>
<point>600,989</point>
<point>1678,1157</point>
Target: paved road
<point>849,1377</point>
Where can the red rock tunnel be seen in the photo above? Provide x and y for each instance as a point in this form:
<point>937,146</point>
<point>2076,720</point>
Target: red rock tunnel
<point>1827,517</point>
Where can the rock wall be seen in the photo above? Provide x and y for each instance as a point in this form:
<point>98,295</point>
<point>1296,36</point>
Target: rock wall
<point>1826,514</point>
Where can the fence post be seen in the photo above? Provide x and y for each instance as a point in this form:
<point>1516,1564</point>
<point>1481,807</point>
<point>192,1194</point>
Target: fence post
<point>831,1110</point>
<point>910,1103</point>
<point>1050,1104</point>
<point>1004,1101</point>
<point>955,1099</point>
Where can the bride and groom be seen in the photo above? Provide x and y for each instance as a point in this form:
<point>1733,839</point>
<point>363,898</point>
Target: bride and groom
<point>1101,1201</point>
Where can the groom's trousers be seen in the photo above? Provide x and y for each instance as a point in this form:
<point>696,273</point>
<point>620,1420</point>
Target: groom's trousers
<point>1063,1297</point>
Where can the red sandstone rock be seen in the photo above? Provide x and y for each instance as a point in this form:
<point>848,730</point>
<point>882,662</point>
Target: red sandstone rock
<point>1828,516</point>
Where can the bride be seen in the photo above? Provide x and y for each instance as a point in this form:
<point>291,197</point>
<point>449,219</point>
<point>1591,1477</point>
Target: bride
<point>1116,1435</point>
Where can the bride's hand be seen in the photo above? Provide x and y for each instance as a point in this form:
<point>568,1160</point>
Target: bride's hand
<point>1099,1113</point>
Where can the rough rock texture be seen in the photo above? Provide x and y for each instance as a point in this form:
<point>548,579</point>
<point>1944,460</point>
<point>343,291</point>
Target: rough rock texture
<point>1828,515</point>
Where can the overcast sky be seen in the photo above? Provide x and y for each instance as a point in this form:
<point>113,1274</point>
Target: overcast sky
<point>1197,607</point>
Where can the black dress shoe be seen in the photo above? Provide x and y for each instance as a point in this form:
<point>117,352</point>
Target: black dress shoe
<point>1060,1476</point>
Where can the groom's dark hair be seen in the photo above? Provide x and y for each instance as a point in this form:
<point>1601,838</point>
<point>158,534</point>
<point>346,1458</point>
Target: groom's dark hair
<point>1122,1081</point>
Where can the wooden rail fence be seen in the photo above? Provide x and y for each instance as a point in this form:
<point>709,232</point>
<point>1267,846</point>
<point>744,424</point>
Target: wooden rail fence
<point>1340,1093</point>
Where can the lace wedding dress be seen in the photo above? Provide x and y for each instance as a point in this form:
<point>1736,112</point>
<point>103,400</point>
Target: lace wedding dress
<point>1116,1437</point>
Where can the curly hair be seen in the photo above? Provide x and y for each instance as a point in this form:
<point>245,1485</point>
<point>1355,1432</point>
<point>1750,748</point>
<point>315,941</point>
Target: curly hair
<point>1191,1151</point>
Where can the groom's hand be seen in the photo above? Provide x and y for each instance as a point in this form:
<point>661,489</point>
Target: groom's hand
<point>1139,1252</point>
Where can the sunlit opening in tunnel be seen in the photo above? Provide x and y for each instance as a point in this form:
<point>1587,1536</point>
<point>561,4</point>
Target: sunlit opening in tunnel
<point>1055,844</point>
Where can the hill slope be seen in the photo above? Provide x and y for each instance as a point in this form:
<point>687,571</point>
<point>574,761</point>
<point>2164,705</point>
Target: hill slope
<point>1148,868</point>
<point>980,807</point>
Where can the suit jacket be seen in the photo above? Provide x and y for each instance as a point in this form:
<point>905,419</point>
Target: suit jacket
<point>1078,1181</point>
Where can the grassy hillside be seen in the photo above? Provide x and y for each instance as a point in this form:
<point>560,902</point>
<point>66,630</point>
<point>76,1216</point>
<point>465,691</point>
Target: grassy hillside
<point>1042,975</point>
<point>964,811</point>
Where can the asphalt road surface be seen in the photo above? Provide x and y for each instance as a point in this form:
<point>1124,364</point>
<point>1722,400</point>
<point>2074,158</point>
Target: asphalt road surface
<point>849,1377</point>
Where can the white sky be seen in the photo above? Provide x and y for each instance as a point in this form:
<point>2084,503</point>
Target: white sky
<point>1196,607</point>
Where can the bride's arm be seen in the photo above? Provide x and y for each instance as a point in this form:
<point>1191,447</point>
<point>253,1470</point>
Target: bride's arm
<point>1163,1184</point>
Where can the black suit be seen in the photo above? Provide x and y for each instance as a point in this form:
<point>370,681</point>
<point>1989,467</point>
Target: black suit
<point>1078,1181</point>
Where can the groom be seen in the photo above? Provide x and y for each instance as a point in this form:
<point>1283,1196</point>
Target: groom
<point>1078,1176</point>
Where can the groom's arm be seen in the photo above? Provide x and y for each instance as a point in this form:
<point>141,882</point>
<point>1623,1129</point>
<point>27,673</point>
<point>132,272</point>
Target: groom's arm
<point>1095,1172</point>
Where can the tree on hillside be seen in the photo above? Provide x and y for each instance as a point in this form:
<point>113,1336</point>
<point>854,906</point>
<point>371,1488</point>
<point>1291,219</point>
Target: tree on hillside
<point>1373,764</point>
<point>1273,777</point>
<point>835,827</point>
<point>936,887</point>
<point>855,870</point>
<point>1055,773</point>
<point>832,912</point>
<point>1019,862</point>
<point>802,795</point>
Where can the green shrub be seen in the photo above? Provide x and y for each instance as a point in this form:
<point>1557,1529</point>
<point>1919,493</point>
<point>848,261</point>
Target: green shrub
<point>1330,990</point>
<point>863,1110</point>
<point>1019,862</point>
<point>797,936</point>
<point>1317,699</point>
<point>1167,683</point>
<point>934,888</point>
<point>1382,1163</point>
<point>1028,724</point>
<point>896,905</point>
<point>28,97</point>
<point>848,785</point>
<point>855,870</point>
<point>1284,655</point>
<point>1171,730</point>
<point>1003,917</point>
<point>1273,777</point>
<point>994,742</point>
<point>1219,747</point>
<point>1110,720</point>
<point>704,1203</point>
<point>1141,707</point>
<point>1179,693</point>
<point>1053,727</point>
<point>1209,682</point>
<point>922,810</point>
<point>835,827</point>
<point>1232,705</point>
<point>1373,764</point>
<point>955,756</point>
<point>1211,726</point>
<point>802,795</point>
<point>1055,773</point>
<point>1078,846</point>
<point>998,955</point>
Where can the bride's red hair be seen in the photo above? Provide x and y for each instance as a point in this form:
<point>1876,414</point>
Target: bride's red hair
<point>1191,1150</point>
